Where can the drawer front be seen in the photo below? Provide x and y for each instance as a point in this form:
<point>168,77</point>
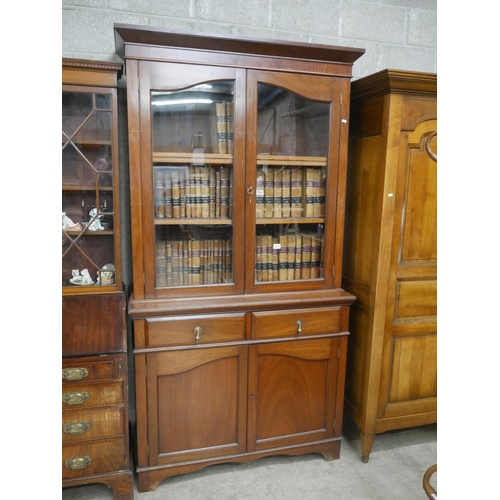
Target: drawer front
<point>192,330</point>
<point>95,394</point>
<point>88,370</point>
<point>93,458</point>
<point>298,322</point>
<point>85,425</point>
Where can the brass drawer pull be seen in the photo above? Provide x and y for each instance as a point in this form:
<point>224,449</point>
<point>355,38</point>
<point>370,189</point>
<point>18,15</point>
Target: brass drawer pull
<point>76,428</point>
<point>299,327</point>
<point>78,462</point>
<point>74,373</point>
<point>75,398</point>
<point>197,334</point>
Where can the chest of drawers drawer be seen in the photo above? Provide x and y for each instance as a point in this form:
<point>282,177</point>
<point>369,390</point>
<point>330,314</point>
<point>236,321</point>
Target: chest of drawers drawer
<point>92,394</point>
<point>84,459</point>
<point>92,369</point>
<point>85,425</point>
<point>299,322</point>
<point>192,330</point>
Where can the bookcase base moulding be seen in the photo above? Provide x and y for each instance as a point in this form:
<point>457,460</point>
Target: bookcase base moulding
<point>220,379</point>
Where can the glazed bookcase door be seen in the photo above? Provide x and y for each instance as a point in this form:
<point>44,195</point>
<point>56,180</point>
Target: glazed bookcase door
<point>191,206</point>
<point>90,215</point>
<point>292,162</point>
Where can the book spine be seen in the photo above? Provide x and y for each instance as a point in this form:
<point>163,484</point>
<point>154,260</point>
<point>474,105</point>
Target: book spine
<point>310,190</point>
<point>175,263</point>
<point>268,192</point>
<point>298,257</point>
<point>283,258</point>
<point>169,264</point>
<point>159,196</point>
<point>315,256</point>
<point>258,258</point>
<point>220,114</point>
<point>224,192</point>
<point>277,193</point>
<point>211,193</point>
<point>230,127</point>
<point>176,210</point>
<point>290,265</point>
<point>205,192</point>
<point>275,258</point>
<point>182,193</point>
<point>161,263</point>
<point>198,189</point>
<point>306,256</point>
<point>217,193</point>
<point>296,193</point>
<point>259,194</point>
<point>285,193</point>
<point>168,195</point>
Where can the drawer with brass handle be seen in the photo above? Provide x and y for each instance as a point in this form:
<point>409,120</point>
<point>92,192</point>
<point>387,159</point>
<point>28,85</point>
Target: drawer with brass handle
<point>97,368</point>
<point>299,322</point>
<point>189,330</point>
<point>84,425</point>
<point>95,394</point>
<point>92,458</point>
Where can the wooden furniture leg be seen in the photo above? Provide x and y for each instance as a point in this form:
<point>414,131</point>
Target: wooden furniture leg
<point>366,446</point>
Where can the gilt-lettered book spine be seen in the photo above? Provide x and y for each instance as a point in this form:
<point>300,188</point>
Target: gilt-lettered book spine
<point>268,192</point>
<point>230,127</point>
<point>298,257</point>
<point>258,258</point>
<point>277,193</point>
<point>220,114</point>
<point>275,258</point>
<point>285,193</point>
<point>176,195</point>
<point>161,263</point>
<point>259,194</point>
<point>283,257</point>
<point>159,195</point>
<point>168,195</point>
<point>224,192</point>
<point>306,256</point>
<point>315,256</point>
<point>211,193</point>
<point>290,257</point>
<point>296,192</point>
<point>310,192</point>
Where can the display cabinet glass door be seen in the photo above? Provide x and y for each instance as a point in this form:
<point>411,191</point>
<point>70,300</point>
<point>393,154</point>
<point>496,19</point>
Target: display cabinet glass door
<point>293,163</point>
<point>193,186</point>
<point>88,206</point>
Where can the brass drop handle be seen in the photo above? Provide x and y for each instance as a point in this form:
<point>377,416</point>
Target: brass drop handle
<point>197,334</point>
<point>76,428</point>
<point>78,462</point>
<point>74,373</point>
<point>299,327</point>
<point>75,398</point>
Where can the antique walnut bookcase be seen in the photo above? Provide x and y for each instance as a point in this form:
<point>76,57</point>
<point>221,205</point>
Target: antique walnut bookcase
<point>95,443</point>
<point>237,172</point>
<point>390,254</point>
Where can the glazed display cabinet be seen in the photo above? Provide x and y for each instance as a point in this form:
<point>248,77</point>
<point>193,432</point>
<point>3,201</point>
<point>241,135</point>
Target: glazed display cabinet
<point>390,254</point>
<point>95,426</point>
<point>237,154</point>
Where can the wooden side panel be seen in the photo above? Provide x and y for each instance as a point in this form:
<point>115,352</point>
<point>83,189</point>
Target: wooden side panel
<point>93,324</point>
<point>414,373</point>
<point>360,225</point>
<point>416,299</point>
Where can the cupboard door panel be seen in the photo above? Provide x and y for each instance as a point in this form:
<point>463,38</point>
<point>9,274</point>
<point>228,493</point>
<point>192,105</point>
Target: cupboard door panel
<point>292,391</point>
<point>197,403</point>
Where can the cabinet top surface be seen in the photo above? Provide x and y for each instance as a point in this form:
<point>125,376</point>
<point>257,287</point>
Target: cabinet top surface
<point>395,81</point>
<point>140,35</point>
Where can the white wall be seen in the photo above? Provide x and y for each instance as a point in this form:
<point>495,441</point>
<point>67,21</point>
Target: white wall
<point>397,34</point>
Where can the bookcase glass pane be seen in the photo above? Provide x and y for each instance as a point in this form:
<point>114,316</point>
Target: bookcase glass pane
<point>291,125</point>
<point>289,252</point>
<point>197,119</point>
<point>87,190</point>
<point>193,184</point>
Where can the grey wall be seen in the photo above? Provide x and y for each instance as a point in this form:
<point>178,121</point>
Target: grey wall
<point>397,34</point>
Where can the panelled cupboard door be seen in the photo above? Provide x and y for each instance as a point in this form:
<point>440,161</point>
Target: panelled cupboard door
<point>293,127</point>
<point>196,403</point>
<point>191,204</point>
<point>409,376</point>
<point>292,392</point>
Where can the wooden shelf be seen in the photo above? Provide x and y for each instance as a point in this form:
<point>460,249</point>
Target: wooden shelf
<point>193,221</point>
<point>303,161</point>
<point>290,220</point>
<point>212,158</point>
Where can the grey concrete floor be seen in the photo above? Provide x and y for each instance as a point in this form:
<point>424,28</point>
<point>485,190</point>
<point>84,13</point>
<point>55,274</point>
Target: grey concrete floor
<point>395,471</point>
